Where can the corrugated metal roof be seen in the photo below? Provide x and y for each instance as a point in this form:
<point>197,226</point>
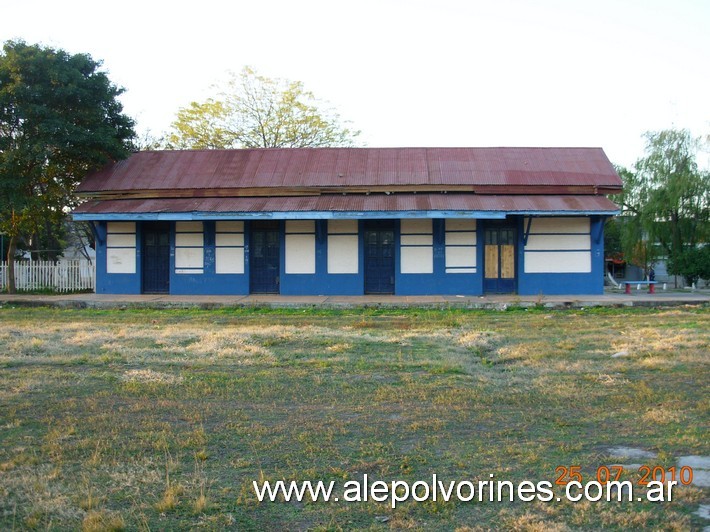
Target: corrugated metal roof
<point>355,203</point>
<point>348,167</point>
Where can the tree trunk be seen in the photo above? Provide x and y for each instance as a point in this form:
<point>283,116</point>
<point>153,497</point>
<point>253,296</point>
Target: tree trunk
<point>676,242</point>
<point>11,248</point>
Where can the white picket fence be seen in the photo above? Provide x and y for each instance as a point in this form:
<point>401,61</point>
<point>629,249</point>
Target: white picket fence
<point>62,276</point>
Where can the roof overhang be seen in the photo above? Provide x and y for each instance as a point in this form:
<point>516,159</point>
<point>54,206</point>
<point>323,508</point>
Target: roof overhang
<point>346,206</point>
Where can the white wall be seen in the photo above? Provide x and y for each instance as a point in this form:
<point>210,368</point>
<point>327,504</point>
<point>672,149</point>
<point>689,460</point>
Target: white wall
<point>301,246</point>
<point>229,247</point>
<point>189,247</point>
<point>460,245</point>
<point>121,247</point>
<point>416,246</point>
<point>558,245</point>
<point>558,262</point>
<point>343,248</point>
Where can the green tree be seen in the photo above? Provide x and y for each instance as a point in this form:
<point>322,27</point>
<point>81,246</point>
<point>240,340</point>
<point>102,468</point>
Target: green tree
<point>666,201</point>
<point>59,119</point>
<point>693,264</point>
<point>258,112</point>
<point>612,237</point>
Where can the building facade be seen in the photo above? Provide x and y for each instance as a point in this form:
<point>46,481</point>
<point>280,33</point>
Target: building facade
<point>352,221</point>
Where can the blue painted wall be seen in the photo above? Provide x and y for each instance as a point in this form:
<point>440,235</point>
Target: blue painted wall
<point>322,283</point>
<point>566,283</point>
<point>439,282</point>
<point>209,282</point>
<point>115,283</point>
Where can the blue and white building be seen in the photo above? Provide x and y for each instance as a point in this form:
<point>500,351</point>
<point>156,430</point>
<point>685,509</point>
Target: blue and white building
<point>352,221</point>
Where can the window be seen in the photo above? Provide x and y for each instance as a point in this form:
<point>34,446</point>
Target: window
<point>416,243</point>
<point>460,242</point>
<point>189,247</point>
<point>121,247</point>
<point>229,247</point>
<point>301,246</point>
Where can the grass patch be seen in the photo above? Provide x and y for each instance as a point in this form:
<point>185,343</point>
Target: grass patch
<point>147,419</point>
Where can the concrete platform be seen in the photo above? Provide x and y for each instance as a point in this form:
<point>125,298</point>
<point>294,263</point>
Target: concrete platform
<point>609,299</point>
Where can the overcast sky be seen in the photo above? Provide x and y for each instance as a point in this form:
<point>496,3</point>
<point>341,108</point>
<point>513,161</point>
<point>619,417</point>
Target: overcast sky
<point>411,73</point>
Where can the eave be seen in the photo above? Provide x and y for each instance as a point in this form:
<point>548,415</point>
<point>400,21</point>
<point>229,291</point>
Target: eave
<point>346,206</point>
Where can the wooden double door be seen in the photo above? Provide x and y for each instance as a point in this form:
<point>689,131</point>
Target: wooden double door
<point>499,258</point>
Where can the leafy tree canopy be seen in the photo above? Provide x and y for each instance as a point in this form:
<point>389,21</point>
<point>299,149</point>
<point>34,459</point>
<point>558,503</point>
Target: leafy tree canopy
<point>666,200</point>
<point>59,118</point>
<point>692,263</point>
<point>258,112</point>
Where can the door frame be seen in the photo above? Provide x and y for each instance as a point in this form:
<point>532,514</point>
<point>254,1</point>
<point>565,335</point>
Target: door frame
<point>168,226</point>
<point>278,229</point>
<point>508,224</point>
<point>380,225</point>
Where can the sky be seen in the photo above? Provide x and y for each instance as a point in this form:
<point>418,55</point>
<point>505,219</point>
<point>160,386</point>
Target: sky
<point>410,73</point>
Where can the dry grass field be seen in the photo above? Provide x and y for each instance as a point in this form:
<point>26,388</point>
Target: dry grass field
<point>158,420</point>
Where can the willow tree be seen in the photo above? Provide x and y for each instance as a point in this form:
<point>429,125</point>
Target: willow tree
<point>666,199</point>
<point>59,119</point>
<point>254,111</point>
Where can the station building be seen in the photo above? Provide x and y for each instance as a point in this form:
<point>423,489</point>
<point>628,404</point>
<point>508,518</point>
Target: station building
<point>352,221</point>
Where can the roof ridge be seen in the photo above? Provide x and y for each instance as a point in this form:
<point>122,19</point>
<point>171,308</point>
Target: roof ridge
<point>373,148</point>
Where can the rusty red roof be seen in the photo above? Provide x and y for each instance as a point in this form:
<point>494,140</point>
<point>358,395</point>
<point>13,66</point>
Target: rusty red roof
<point>216,208</point>
<point>355,167</point>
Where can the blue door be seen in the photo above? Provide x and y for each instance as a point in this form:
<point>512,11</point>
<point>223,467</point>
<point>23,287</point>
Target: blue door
<point>499,258</point>
<point>264,257</point>
<point>156,257</point>
<point>379,257</point>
